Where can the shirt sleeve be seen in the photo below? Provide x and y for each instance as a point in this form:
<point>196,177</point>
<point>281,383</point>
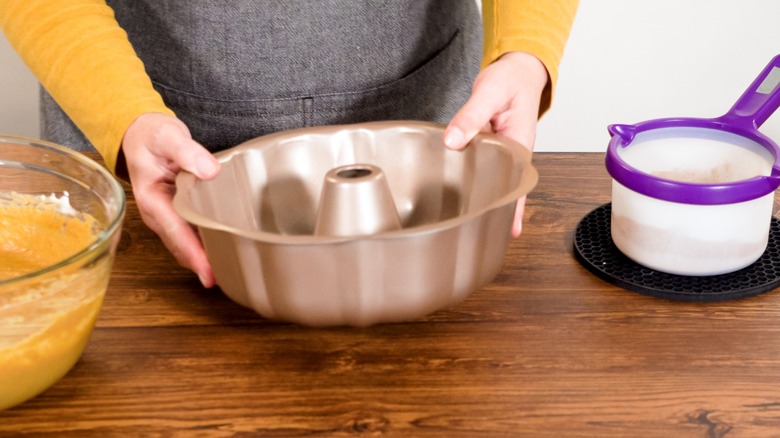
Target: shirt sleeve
<point>538,27</point>
<point>83,58</point>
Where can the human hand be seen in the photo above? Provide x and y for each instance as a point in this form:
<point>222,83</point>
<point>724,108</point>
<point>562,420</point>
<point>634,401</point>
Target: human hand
<point>156,147</point>
<point>505,100</point>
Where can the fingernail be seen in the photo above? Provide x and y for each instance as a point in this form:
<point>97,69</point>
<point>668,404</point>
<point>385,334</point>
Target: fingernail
<point>205,166</point>
<point>454,138</point>
<point>202,280</point>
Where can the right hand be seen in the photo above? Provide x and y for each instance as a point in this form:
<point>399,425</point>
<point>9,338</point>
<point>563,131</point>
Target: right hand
<point>505,100</point>
<point>156,148</point>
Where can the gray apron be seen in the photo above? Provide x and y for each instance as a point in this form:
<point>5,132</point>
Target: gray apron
<point>233,70</point>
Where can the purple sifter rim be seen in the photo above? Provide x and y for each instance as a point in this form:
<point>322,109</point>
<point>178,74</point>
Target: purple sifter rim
<point>750,111</point>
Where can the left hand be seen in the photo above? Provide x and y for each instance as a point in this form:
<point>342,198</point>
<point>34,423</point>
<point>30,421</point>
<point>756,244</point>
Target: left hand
<point>504,100</point>
<point>156,148</point>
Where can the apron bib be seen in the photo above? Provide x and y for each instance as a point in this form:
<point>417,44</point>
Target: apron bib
<point>234,70</point>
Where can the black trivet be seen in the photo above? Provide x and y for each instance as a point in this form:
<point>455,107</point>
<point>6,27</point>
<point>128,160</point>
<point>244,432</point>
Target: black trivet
<point>594,248</point>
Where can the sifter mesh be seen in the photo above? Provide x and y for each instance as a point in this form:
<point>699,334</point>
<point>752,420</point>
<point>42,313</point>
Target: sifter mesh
<point>594,249</point>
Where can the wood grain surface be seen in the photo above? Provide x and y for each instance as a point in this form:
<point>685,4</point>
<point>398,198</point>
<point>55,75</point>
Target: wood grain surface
<point>545,350</point>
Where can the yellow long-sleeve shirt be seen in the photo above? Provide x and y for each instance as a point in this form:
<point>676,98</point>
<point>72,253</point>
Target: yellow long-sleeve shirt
<point>83,58</point>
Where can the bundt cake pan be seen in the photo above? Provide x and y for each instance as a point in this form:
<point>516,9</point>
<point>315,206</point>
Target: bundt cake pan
<point>405,227</point>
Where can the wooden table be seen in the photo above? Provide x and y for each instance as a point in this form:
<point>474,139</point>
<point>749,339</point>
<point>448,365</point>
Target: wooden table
<point>546,350</point>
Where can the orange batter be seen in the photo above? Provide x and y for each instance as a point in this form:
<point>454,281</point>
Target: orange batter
<point>46,320</point>
<point>34,233</point>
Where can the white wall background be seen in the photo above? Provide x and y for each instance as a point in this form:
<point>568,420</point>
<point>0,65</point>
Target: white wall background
<point>626,61</point>
<point>629,61</point>
<point>18,95</point>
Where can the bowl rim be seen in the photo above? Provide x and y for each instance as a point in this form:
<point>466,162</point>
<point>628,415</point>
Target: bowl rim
<point>103,236</point>
<point>521,156</point>
<point>622,137</point>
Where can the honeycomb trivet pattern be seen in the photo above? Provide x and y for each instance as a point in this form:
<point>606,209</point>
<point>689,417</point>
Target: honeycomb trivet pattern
<point>594,249</point>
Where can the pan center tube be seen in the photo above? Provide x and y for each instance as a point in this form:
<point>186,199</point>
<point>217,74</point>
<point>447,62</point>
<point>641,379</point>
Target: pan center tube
<point>356,201</point>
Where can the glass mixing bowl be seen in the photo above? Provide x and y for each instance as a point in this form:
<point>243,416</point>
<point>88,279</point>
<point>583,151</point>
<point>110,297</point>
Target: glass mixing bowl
<point>60,221</point>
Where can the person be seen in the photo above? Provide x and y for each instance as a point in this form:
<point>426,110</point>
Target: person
<point>156,86</point>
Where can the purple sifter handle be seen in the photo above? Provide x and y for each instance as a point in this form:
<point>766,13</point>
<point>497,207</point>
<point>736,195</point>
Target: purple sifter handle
<point>759,101</point>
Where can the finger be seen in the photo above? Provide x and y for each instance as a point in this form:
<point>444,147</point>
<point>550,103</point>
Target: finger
<point>517,226</point>
<point>176,234</point>
<point>194,158</point>
<point>482,106</point>
<point>199,162</point>
<point>170,144</point>
<point>519,125</point>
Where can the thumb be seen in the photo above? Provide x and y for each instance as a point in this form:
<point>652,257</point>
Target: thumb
<point>194,158</point>
<point>473,117</point>
<point>178,146</point>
